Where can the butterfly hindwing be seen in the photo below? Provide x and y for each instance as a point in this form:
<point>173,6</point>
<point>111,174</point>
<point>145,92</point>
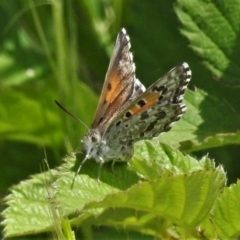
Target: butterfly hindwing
<point>155,110</point>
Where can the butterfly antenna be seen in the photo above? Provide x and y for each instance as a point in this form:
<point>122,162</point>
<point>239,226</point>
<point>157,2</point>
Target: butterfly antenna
<point>65,110</point>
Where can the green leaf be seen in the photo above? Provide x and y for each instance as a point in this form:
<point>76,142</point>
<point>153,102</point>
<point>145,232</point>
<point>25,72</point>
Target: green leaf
<point>153,160</point>
<point>180,191</point>
<point>226,214</point>
<point>29,206</point>
<point>212,29</point>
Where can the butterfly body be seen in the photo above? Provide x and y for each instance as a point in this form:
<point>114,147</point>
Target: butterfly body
<point>97,147</point>
<point>127,112</point>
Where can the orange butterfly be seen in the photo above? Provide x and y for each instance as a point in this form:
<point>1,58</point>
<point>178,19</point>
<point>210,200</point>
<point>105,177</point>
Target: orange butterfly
<point>127,112</point>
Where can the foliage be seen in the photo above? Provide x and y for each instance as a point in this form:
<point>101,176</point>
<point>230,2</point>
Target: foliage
<point>60,50</point>
<point>171,188</point>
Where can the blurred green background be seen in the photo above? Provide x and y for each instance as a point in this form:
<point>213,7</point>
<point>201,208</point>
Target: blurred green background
<point>60,49</point>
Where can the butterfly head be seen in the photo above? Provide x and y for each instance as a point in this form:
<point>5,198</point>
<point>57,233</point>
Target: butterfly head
<point>91,142</point>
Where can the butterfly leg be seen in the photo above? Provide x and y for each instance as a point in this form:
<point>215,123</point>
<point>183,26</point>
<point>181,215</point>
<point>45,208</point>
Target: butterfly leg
<point>112,166</point>
<point>99,169</point>
<point>78,170</point>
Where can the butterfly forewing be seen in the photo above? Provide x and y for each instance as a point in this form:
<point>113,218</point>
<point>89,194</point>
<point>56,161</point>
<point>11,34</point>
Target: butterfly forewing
<point>154,111</point>
<point>119,85</point>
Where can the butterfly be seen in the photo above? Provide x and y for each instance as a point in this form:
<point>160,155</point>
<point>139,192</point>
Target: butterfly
<point>127,112</point>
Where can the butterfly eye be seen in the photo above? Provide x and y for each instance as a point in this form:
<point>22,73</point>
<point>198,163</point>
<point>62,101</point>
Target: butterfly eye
<point>94,138</point>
